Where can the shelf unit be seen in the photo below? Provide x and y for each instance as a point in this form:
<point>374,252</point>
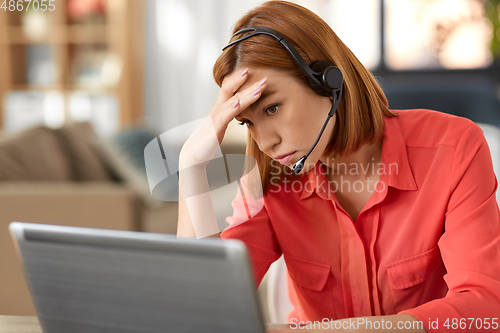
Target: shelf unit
<point>117,32</point>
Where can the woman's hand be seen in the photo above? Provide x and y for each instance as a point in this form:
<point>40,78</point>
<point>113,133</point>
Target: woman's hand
<point>229,104</point>
<point>201,146</point>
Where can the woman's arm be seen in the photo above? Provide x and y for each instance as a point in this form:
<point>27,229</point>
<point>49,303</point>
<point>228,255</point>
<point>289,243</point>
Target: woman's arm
<point>196,212</point>
<point>199,206</point>
<point>470,244</point>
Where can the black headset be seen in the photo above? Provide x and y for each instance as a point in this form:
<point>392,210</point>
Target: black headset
<point>323,77</point>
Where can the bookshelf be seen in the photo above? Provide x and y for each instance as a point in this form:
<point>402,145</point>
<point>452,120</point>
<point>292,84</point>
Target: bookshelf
<point>99,53</point>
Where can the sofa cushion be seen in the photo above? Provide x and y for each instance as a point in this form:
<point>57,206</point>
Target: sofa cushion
<point>131,143</point>
<point>78,139</point>
<point>34,153</point>
<point>124,170</point>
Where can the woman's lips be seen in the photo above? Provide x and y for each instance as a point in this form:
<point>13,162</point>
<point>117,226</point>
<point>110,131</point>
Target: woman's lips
<point>285,159</point>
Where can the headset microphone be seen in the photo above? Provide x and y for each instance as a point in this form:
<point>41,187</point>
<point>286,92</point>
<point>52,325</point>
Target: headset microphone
<point>297,168</point>
<point>323,77</point>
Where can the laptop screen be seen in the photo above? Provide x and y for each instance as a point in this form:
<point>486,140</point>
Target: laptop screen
<point>91,280</point>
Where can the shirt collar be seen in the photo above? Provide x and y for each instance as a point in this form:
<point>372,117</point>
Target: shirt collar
<point>398,173</point>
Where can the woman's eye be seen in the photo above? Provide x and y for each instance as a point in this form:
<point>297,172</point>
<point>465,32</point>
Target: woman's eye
<point>244,122</point>
<point>269,111</point>
<point>272,109</point>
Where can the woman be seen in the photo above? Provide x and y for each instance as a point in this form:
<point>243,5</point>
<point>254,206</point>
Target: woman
<point>393,218</point>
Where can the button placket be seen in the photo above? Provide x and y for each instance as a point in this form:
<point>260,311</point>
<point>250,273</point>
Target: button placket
<point>354,271</point>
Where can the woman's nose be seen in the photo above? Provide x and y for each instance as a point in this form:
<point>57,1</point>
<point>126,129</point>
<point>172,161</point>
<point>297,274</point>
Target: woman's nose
<point>266,138</point>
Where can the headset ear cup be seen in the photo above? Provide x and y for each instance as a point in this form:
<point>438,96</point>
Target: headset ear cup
<point>318,67</point>
<point>330,77</point>
<point>318,89</point>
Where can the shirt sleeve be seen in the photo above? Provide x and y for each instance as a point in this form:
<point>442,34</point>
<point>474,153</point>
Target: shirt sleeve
<point>470,244</point>
<point>250,223</point>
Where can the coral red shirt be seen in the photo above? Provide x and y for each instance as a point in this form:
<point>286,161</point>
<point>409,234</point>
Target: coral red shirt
<point>426,243</point>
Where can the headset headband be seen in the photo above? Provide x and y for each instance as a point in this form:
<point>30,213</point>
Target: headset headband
<point>286,44</point>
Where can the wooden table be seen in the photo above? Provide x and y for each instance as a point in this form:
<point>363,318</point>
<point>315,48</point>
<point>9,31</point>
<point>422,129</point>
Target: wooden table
<point>27,324</point>
<point>19,324</point>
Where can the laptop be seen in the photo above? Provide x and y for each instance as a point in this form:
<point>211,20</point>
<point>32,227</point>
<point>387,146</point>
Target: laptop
<point>94,280</point>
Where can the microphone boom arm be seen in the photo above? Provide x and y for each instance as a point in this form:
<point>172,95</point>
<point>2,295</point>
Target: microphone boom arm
<point>336,100</point>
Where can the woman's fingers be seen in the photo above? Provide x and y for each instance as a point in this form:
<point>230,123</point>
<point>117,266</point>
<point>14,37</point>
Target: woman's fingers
<point>231,84</point>
<point>251,94</point>
<point>241,100</point>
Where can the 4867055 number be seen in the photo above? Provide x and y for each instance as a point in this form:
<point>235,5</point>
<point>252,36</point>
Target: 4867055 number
<point>471,323</point>
<point>20,5</point>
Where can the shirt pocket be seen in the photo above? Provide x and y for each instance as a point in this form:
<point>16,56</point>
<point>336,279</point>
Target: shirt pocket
<point>313,283</point>
<point>408,277</point>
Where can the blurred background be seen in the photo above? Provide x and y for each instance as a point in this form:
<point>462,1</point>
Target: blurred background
<point>85,85</point>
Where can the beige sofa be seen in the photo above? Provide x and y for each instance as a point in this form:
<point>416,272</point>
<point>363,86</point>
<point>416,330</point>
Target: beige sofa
<point>68,177</point>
